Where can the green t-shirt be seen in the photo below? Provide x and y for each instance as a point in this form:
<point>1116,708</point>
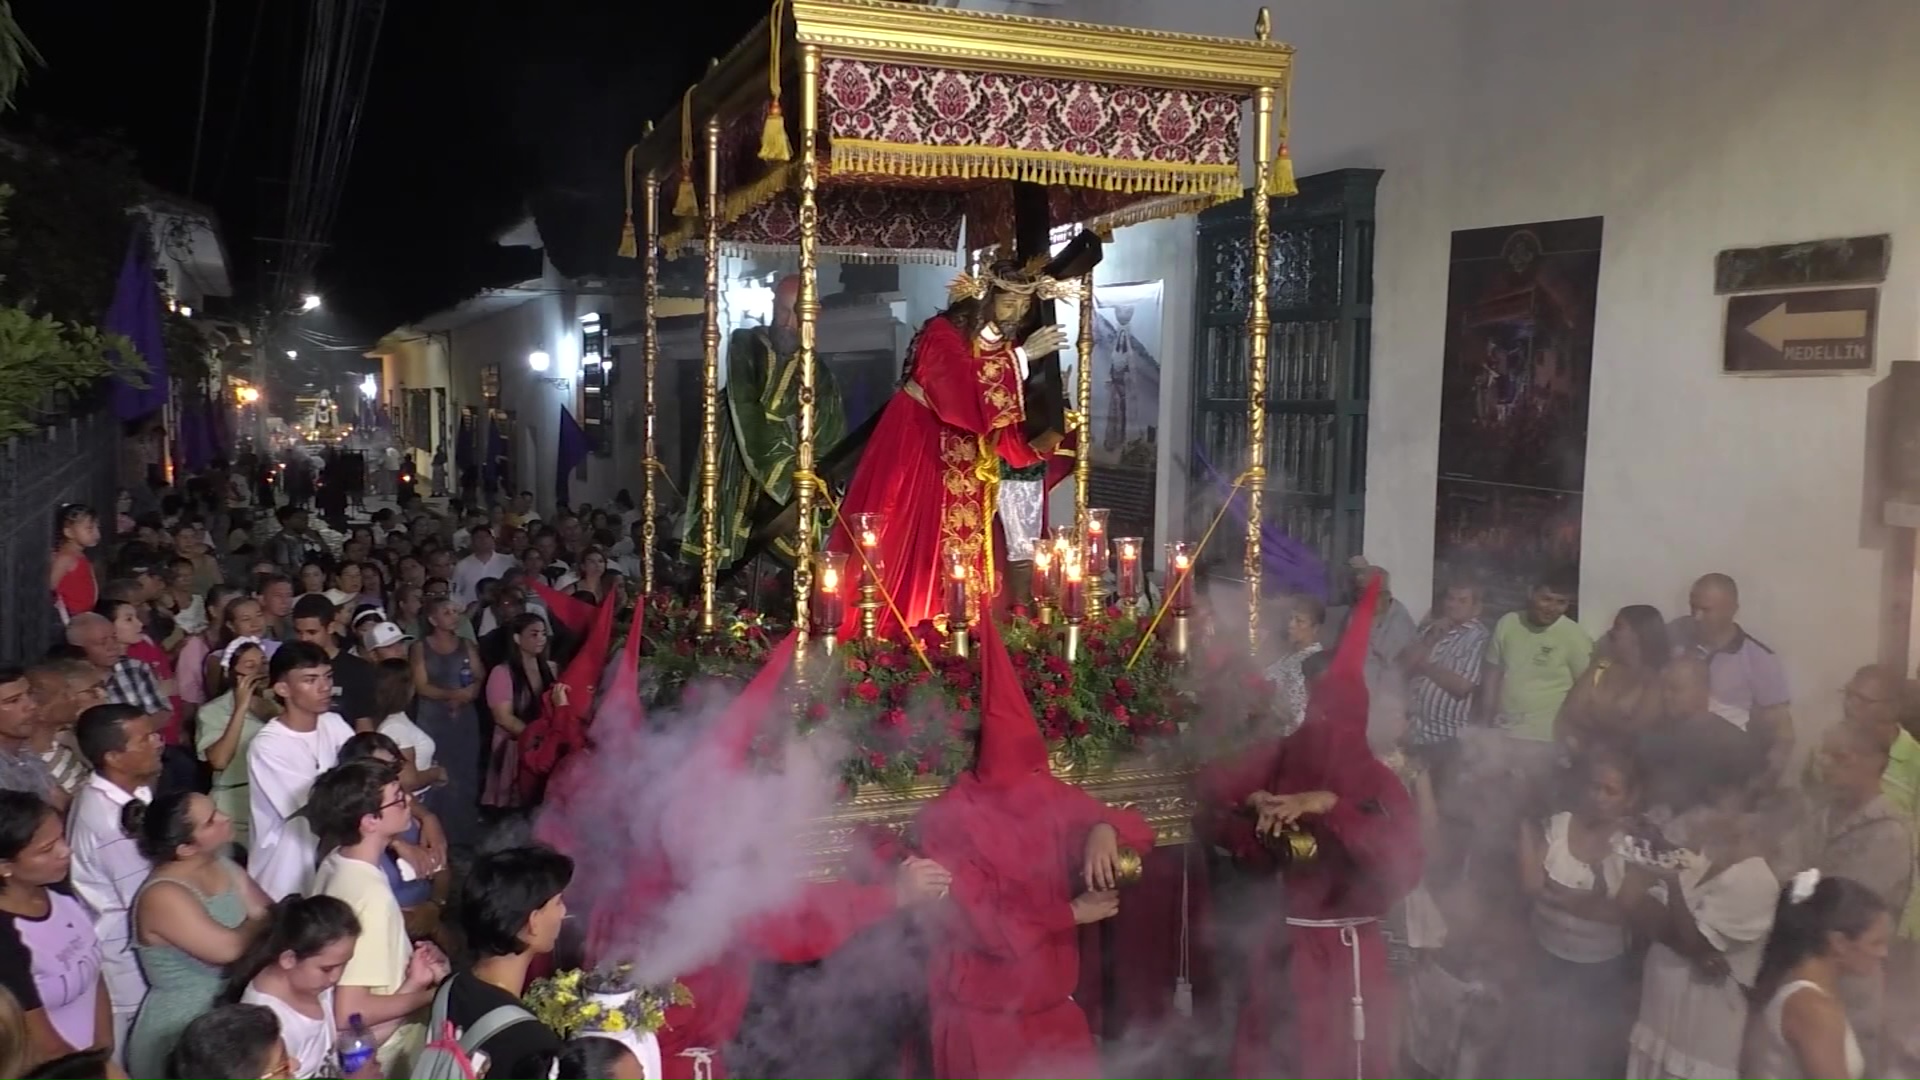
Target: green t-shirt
<point>1540,664</point>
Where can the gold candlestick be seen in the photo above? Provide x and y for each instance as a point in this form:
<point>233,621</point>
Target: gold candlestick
<point>1073,638</point>
<point>869,609</point>
<point>959,640</point>
<point>829,640</point>
<point>1181,634</point>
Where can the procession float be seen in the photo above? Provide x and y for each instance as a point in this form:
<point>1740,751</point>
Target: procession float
<point>879,130</point>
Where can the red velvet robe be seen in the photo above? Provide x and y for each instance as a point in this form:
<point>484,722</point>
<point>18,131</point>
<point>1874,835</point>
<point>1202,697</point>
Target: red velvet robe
<point>1006,956</point>
<point>933,467</point>
<point>1370,857</point>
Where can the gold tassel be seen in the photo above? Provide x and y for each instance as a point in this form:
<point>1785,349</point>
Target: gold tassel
<point>686,203</point>
<point>773,136</point>
<point>1280,183</point>
<point>629,242</point>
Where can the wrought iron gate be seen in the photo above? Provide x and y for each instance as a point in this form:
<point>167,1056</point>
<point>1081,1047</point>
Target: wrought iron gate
<point>1320,285</point>
<point>75,460</point>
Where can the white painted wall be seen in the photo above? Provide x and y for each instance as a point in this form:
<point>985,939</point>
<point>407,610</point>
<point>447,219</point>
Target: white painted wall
<point>1691,128</point>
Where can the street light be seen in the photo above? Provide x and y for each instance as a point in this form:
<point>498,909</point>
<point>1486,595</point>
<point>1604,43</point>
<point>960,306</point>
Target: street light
<point>293,354</point>
<point>370,388</point>
<point>539,361</point>
<point>310,302</point>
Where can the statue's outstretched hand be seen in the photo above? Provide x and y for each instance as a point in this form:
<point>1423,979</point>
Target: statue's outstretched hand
<point>1047,339</point>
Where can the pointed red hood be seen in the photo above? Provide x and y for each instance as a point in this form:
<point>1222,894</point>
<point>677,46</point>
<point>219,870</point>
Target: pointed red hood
<point>623,694</point>
<point>732,735</point>
<point>1011,748</point>
<point>1332,743</point>
<point>583,672</point>
<point>567,611</point>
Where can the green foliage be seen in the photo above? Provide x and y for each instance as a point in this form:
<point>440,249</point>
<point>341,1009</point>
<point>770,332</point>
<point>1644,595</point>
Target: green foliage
<point>44,361</point>
<point>17,56</point>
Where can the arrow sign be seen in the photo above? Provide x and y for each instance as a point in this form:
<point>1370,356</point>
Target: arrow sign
<point>1805,332</point>
<point>1779,326</point>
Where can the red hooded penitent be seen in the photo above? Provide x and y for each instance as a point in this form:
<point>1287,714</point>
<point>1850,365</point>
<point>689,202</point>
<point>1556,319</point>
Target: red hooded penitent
<point>1299,1016</point>
<point>1005,949</point>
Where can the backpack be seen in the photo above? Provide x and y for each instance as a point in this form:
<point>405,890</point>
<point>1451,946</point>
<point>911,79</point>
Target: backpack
<point>448,1054</point>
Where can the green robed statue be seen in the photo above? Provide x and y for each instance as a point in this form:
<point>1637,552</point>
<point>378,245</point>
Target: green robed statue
<point>760,431</point>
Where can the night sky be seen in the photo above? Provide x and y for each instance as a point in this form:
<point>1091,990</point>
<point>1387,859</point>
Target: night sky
<point>477,112</point>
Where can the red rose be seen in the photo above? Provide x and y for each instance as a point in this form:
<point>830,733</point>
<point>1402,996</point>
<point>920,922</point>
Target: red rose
<point>817,711</point>
<point>1055,666</point>
<point>963,704</point>
<point>1079,728</point>
<point>893,718</point>
<point>868,691</point>
<point>876,759</point>
<point>856,664</point>
<point>889,661</point>
<point>1121,716</point>
<point>960,678</point>
<point>922,767</point>
<point>1123,688</point>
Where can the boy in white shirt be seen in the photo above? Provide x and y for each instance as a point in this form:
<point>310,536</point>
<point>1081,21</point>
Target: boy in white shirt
<point>358,809</point>
<point>283,761</point>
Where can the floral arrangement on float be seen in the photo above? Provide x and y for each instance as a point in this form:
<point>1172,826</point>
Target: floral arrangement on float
<point>908,706</point>
<point>576,1002</point>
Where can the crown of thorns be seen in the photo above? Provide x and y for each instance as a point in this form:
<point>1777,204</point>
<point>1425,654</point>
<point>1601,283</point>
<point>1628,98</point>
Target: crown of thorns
<point>1024,282</point>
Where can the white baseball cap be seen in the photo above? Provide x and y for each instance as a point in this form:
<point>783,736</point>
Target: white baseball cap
<point>384,634</point>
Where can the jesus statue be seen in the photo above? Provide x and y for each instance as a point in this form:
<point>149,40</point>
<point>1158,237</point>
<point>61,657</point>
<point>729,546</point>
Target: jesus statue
<point>934,463</point>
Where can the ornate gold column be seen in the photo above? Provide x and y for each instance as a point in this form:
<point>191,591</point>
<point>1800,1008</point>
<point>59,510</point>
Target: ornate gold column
<point>807,310</point>
<point>710,387</point>
<point>1259,328</point>
<point>650,367</point>
<point>1083,411</point>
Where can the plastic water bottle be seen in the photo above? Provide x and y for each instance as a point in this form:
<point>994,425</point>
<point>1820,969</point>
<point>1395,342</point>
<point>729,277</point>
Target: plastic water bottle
<point>355,1047</point>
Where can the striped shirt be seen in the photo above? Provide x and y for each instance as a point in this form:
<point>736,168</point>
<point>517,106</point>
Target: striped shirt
<point>1438,715</point>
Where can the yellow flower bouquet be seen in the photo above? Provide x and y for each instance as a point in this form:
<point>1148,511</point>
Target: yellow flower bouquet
<point>574,1001</point>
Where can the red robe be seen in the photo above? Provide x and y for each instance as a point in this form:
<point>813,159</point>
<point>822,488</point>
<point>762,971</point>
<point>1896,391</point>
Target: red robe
<point>933,466</point>
<point>1370,857</point>
<point>1006,956</point>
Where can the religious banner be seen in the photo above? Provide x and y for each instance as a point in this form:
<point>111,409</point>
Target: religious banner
<point>1126,401</point>
<point>1513,405</point>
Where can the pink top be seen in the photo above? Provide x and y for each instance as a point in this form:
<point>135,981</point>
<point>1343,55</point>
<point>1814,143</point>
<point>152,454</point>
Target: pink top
<point>500,686</point>
<point>191,670</point>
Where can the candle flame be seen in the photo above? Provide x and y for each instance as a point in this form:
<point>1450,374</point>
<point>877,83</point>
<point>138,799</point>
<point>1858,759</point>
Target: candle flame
<point>1126,551</point>
<point>1180,562</point>
<point>1094,524</point>
<point>1042,557</point>
<point>959,571</point>
<point>830,579</point>
<point>868,539</point>
<point>1073,570</point>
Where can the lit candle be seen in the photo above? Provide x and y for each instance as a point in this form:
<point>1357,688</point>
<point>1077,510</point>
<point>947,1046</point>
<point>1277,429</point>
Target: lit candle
<point>870,527</point>
<point>1072,598</point>
<point>1097,542</point>
<point>1042,572</point>
<point>957,594</point>
<point>1128,579</point>
<point>829,607</point>
<point>1180,579</point>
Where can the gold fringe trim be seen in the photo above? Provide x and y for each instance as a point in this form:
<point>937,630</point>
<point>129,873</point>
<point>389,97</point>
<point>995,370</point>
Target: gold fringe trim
<point>1153,210</point>
<point>741,249</point>
<point>739,202</point>
<point>872,158</point>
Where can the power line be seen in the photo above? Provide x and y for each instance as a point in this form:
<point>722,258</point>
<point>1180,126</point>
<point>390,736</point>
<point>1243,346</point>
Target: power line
<point>200,117</point>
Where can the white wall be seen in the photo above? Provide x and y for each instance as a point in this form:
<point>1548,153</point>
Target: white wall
<point>1691,128</point>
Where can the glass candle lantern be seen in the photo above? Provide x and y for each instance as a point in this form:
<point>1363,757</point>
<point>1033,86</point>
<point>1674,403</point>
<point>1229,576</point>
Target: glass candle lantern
<point>1096,542</point>
<point>1043,589</point>
<point>1180,575</point>
<point>1073,600</point>
<point>958,569</point>
<point>1126,574</point>
<point>829,602</point>
<point>867,531</point>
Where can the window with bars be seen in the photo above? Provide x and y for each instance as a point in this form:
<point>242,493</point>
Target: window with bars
<point>1319,298</point>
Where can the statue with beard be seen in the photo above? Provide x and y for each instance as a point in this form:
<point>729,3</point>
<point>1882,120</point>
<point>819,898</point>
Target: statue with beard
<point>952,438</point>
<point>760,431</point>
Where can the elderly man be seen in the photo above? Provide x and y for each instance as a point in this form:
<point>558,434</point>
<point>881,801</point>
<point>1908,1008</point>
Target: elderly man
<point>1745,677</point>
<point>129,681</point>
<point>1394,631</point>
